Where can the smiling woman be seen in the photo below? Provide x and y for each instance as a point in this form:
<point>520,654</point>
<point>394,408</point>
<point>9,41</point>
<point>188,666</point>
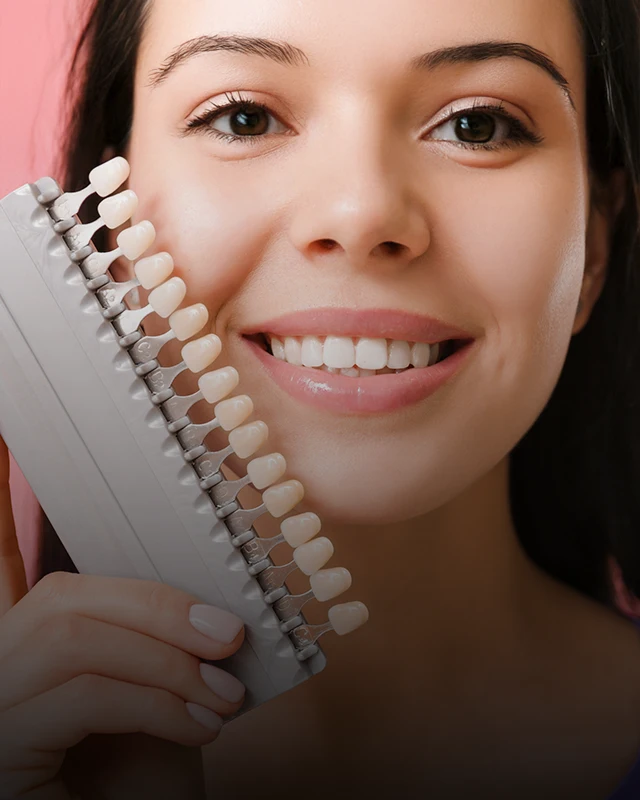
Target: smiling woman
<point>415,228</point>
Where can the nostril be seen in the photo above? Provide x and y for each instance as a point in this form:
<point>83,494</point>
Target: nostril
<point>392,247</point>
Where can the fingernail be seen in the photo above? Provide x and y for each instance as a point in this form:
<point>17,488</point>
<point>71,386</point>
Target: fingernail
<point>222,683</point>
<point>215,623</point>
<point>209,719</point>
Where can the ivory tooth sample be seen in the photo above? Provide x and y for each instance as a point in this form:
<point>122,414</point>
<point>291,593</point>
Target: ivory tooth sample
<point>166,298</point>
<point>201,353</point>
<point>248,439</point>
<point>218,384</point>
<point>346,617</point>
<point>234,411</point>
<point>266,470</point>
<point>314,555</point>
<point>135,240</point>
<point>329,583</point>
<point>154,270</point>
<point>109,177</point>
<point>186,322</point>
<point>116,210</point>
<point>300,529</point>
<point>280,499</point>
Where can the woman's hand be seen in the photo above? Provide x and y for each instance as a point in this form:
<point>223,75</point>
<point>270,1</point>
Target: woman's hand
<point>82,654</point>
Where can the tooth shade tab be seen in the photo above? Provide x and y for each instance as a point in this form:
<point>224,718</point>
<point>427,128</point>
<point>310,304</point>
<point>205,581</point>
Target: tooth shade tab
<point>218,384</point>
<point>201,353</point>
<point>233,412</point>
<point>187,322</point>
<point>154,270</point>
<point>166,298</point>
<point>248,439</point>
<point>326,584</point>
<point>134,241</point>
<point>314,555</point>
<point>116,210</point>
<point>347,617</point>
<point>300,529</point>
<point>97,264</point>
<point>109,177</point>
<point>266,470</point>
<point>280,499</point>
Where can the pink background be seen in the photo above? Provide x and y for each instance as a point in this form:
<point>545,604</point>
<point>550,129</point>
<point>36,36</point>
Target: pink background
<point>36,40</point>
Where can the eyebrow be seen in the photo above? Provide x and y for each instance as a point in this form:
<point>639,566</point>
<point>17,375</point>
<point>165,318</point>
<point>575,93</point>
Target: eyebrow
<point>288,55</point>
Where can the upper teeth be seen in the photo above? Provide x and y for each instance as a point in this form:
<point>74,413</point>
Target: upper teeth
<point>343,352</point>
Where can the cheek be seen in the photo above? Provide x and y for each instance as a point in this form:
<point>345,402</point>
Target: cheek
<point>522,251</point>
<point>215,225</point>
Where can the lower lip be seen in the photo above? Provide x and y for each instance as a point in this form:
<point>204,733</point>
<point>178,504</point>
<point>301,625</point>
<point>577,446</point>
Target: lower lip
<point>372,395</point>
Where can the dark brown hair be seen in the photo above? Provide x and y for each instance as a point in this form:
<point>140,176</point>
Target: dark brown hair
<point>574,475</point>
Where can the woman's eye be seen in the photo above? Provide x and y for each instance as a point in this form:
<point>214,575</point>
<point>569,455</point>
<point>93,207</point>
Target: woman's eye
<point>238,120</point>
<point>486,128</point>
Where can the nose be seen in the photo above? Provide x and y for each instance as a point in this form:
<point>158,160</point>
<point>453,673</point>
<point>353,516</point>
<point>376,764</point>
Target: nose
<point>359,205</point>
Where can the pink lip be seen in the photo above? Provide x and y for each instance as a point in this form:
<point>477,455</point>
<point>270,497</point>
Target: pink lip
<point>374,323</point>
<point>375,394</point>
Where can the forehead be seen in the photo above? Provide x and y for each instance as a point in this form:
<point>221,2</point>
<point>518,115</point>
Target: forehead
<point>352,36</point>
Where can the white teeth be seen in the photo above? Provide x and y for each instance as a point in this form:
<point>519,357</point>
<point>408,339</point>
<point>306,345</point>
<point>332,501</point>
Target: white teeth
<point>277,348</point>
<point>362,358</point>
<point>312,352</point>
<point>420,354</point>
<point>371,353</point>
<point>153,270</point>
<point>399,355</point>
<point>339,352</point>
<point>293,351</point>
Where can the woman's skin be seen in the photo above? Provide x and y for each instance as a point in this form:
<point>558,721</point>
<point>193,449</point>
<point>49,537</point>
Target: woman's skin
<point>474,662</point>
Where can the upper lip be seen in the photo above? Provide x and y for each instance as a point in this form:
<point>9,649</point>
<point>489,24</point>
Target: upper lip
<point>375,323</point>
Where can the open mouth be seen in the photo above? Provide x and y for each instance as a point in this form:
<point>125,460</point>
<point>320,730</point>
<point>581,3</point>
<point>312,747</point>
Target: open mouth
<point>357,357</point>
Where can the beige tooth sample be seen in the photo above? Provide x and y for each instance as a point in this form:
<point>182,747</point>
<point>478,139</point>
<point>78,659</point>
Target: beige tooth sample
<point>301,528</point>
<point>293,351</point>
<point>371,353</point>
<point>314,555</point>
<point>201,353</point>
<point>234,411</point>
<point>218,384</point>
<point>280,499</point>
<point>154,270</point>
<point>329,583</point>
<point>346,617</point>
<point>339,352</point>
<point>186,322</point>
<point>420,353</point>
<point>135,240</point>
<point>266,470</point>
<point>166,298</point>
<point>108,177</point>
<point>311,352</point>
<point>248,439</point>
<point>399,355</point>
<point>116,210</point>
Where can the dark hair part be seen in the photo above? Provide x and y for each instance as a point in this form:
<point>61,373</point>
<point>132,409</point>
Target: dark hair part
<point>574,475</point>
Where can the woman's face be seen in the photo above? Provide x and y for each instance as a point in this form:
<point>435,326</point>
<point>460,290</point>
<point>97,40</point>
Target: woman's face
<point>356,150</point>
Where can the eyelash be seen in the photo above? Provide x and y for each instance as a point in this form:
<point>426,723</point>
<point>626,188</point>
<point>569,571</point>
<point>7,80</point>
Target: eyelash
<point>518,134</point>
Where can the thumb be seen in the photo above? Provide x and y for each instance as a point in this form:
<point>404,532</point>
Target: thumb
<point>13,581</point>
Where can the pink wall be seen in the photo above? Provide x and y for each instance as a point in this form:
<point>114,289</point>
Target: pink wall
<point>35,44</point>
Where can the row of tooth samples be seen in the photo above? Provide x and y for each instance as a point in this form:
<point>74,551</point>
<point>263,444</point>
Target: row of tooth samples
<point>155,273</point>
<point>342,352</point>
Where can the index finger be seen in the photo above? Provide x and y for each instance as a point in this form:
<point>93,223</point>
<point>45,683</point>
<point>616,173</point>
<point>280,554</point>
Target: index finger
<point>13,581</point>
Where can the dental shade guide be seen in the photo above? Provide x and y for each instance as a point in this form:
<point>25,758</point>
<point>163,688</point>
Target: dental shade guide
<point>107,444</point>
